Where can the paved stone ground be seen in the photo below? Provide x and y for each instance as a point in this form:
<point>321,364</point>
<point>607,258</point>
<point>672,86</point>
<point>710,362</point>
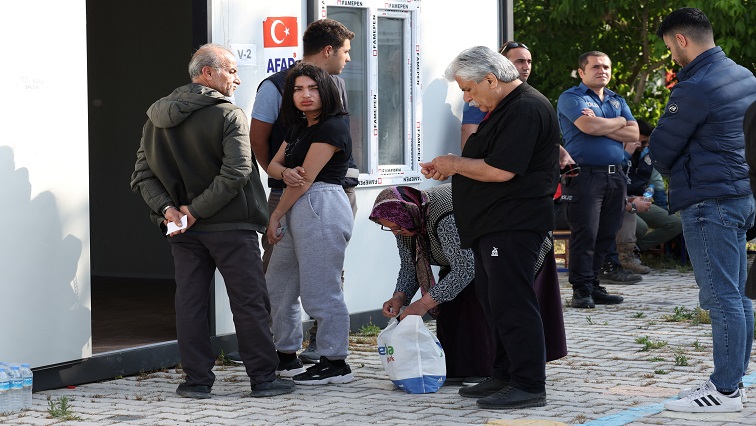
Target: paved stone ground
<point>607,379</point>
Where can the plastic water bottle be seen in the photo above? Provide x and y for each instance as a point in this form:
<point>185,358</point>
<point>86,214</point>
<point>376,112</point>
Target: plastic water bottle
<point>4,390</point>
<point>28,376</point>
<point>15,394</point>
<point>648,194</point>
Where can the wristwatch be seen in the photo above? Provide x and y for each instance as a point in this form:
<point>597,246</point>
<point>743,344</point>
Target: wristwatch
<point>165,209</point>
<point>633,209</point>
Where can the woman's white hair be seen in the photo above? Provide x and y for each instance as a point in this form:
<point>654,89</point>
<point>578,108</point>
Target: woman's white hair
<point>477,62</point>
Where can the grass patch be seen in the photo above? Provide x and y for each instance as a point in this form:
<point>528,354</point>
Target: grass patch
<point>656,261</point>
<point>649,344</point>
<point>639,315</point>
<point>60,409</point>
<point>367,334</point>
<point>695,316</point>
<point>656,359</point>
<point>681,360</point>
<point>223,359</point>
<point>660,371</point>
<point>369,330</point>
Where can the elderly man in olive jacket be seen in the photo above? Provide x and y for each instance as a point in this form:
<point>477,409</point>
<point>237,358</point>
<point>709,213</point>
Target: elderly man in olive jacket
<point>195,170</point>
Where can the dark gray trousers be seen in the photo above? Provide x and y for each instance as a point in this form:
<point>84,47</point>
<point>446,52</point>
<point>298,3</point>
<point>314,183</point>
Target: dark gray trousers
<point>236,254</point>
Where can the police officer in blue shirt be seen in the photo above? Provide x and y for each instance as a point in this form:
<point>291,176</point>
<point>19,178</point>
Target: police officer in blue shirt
<point>595,122</point>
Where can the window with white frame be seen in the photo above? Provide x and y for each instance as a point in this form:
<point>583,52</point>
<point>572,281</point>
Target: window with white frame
<point>382,82</point>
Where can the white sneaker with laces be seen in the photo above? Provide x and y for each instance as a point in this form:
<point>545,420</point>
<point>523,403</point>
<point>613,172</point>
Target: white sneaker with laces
<point>706,399</point>
<point>685,392</point>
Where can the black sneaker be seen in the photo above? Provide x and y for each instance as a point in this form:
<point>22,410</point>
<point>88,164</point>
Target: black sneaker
<point>193,391</point>
<point>616,274</point>
<point>582,299</point>
<point>601,297</point>
<point>325,372</point>
<point>454,381</point>
<point>276,387</point>
<point>290,368</point>
<point>234,357</point>
<point>511,397</point>
<point>310,355</point>
<point>473,380</point>
<point>485,388</point>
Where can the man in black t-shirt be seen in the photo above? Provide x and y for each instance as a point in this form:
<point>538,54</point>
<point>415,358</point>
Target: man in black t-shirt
<point>505,178</point>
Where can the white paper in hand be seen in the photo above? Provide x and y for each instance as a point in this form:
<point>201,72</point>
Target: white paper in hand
<point>173,228</point>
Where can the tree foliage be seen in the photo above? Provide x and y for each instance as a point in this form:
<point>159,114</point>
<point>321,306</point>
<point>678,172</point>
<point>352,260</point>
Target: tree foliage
<point>559,31</point>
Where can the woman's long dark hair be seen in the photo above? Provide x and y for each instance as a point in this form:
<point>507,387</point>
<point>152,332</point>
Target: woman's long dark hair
<point>329,95</point>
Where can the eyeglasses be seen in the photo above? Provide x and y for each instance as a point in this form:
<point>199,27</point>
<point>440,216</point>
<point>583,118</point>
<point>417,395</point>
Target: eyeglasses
<point>570,170</point>
<point>386,228</point>
<point>511,45</point>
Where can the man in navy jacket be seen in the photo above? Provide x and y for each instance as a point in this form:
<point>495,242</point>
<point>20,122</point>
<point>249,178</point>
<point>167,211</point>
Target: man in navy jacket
<point>699,143</point>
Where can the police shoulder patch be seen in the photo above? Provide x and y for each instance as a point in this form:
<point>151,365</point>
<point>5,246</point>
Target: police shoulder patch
<point>672,108</point>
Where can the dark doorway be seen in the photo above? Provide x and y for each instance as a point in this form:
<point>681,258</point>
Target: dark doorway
<point>137,52</point>
<point>131,312</point>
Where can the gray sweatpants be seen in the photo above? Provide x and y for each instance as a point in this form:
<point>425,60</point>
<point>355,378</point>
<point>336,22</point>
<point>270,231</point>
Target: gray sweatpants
<point>307,264</point>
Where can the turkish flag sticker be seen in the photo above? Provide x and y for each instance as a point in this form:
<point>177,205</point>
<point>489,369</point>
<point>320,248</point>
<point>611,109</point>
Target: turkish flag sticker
<point>280,31</point>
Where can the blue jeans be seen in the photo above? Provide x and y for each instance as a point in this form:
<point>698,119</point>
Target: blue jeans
<point>714,232</point>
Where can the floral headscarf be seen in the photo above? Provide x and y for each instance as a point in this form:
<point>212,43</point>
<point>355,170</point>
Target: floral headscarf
<point>407,207</point>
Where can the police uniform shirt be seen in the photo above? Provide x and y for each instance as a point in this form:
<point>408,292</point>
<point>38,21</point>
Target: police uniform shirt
<point>472,115</point>
<point>587,149</point>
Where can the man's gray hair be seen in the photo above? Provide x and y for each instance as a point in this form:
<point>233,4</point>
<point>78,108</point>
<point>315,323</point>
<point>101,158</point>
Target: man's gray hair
<point>208,55</point>
<point>475,63</point>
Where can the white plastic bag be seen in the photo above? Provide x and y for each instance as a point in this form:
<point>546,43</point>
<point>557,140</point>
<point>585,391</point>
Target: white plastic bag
<point>412,355</point>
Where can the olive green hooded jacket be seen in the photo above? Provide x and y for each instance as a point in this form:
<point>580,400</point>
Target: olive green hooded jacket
<point>195,151</point>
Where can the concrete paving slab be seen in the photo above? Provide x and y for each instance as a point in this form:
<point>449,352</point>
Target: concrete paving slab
<point>624,361</point>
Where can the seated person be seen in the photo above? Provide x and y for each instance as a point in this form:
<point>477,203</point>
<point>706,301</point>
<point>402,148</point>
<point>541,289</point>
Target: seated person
<point>627,253</point>
<point>664,226</point>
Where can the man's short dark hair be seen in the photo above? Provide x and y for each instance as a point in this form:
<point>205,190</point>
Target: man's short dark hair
<point>583,59</point>
<point>690,22</point>
<point>329,94</point>
<point>322,33</point>
<point>644,127</point>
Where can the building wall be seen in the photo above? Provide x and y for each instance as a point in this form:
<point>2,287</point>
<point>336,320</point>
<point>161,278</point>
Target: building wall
<point>45,223</point>
<point>372,260</point>
<point>44,184</point>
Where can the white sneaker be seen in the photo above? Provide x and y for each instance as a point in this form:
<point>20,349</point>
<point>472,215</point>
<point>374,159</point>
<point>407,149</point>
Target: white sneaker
<point>685,392</point>
<point>706,399</point>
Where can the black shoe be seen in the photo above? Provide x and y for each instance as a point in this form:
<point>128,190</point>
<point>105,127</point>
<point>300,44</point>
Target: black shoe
<point>325,372</point>
<point>473,380</point>
<point>485,388</point>
<point>310,355</point>
<point>601,297</point>
<point>616,274</point>
<point>276,387</point>
<point>234,357</point>
<point>290,368</point>
<point>193,391</point>
<point>454,381</point>
<point>511,397</point>
<point>582,299</point>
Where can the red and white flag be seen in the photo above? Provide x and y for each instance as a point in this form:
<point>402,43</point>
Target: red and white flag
<point>280,31</point>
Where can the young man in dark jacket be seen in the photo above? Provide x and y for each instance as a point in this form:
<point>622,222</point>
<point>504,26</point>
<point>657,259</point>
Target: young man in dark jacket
<point>699,143</point>
<point>195,170</point>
